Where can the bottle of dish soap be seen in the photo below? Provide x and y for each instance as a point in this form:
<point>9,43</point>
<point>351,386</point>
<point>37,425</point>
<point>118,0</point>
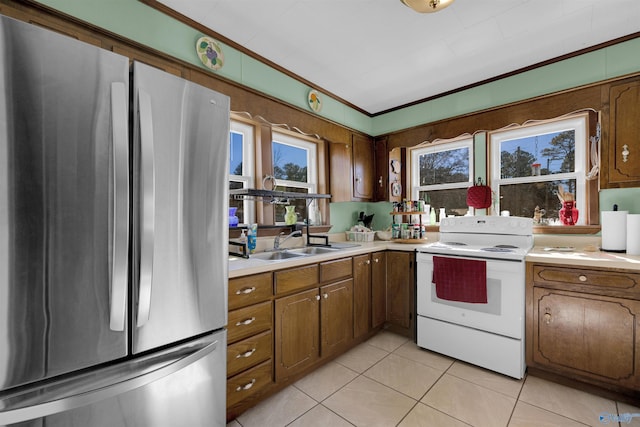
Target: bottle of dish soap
<point>432,217</point>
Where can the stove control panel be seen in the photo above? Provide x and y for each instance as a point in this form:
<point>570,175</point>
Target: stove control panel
<point>487,224</point>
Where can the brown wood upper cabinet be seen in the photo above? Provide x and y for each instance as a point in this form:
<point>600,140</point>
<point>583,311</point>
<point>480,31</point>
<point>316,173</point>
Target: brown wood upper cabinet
<point>621,161</point>
<point>355,163</point>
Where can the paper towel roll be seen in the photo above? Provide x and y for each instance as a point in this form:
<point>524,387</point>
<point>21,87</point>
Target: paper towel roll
<point>614,230</point>
<point>633,234</point>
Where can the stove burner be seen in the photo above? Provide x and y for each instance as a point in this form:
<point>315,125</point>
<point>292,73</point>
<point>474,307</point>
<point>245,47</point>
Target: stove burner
<point>497,249</point>
<point>454,243</point>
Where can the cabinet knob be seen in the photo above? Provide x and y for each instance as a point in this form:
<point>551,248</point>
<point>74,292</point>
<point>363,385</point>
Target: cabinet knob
<point>547,318</point>
<point>625,153</point>
<point>376,260</point>
<point>245,291</point>
<point>317,297</point>
<point>325,296</point>
<point>380,181</point>
<point>582,278</point>
<point>367,262</point>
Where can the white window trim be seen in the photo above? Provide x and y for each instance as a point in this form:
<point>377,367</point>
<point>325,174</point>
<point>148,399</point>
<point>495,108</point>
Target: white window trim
<point>579,124</point>
<point>248,166</point>
<point>435,147</point>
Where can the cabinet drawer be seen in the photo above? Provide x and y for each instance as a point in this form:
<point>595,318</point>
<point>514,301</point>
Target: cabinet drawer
<point>587,280</point>
<point>294,279</point>
<point>249,352</point>
<point>336,269</point>
<point>244,291</point>
<point>249,383</point>
<point>248,321</point>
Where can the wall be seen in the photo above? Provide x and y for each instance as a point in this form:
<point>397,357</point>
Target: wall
<point>145,25</point>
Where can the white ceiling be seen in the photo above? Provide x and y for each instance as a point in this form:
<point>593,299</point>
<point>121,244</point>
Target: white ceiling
<point>379,54</point>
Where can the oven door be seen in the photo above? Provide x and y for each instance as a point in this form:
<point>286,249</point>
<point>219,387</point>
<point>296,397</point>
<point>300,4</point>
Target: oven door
<point>503,313</point>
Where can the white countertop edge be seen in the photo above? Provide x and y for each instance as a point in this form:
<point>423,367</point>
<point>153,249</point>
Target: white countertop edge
<point>243,267</point>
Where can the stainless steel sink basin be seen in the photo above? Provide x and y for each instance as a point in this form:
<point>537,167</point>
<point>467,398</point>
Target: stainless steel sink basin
<point>277,256</point>
<point>315,250</point>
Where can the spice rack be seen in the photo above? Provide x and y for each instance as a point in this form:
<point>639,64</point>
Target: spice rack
<point>421,230</point>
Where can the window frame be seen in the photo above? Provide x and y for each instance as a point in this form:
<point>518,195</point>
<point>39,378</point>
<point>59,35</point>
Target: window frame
<point>579,123</point>
<point>247,179</point>
<point>466,141</point>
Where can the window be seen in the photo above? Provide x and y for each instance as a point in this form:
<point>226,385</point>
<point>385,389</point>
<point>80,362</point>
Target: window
<point>241,168</point>
<point>441,173</point>
<point>295,169</point>
<point>529,163</point>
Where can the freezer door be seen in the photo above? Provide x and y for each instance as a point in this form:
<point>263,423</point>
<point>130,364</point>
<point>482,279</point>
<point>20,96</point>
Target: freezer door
<point>180,386</point>
<point>63,203</point>
<point>181,145</point>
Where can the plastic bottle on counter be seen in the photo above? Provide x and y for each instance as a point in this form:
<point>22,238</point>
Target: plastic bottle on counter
<point>432,217</point>
<point>443,214</point>
<point>251,238</point>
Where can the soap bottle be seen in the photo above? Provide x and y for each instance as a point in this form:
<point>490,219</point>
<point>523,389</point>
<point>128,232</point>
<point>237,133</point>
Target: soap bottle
<point>251,238</point>
<point>432,217</point>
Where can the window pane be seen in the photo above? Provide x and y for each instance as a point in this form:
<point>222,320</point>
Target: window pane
<point>538,155</point>
<point>300,204</point>
<point>234,203</point>
<point>444,167</point>
<point>454,201</point>
<point>235,153</point>
<point>289,162</point>
<point>522,199</point>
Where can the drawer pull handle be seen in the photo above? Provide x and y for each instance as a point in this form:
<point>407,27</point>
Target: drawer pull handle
<point>246,322</point>
<point>245,291</point>
<point>247,386</point>
<point>246,353</point>
<point>582,278</point>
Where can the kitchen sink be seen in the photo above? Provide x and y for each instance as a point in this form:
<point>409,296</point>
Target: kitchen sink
<point>277,256</point>
<point>314,250</point>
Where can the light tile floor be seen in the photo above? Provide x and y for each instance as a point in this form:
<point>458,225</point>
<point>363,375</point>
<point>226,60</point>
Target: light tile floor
<point>389,381</point>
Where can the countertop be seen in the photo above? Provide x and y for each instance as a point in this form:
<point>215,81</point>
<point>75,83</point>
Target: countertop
<point>239,267</point>
<point>579,251</point>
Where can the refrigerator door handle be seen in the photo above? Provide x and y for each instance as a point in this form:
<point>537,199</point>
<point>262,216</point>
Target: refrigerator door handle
<point>120,230</point>
<point>70,394</point>
<point>147,208</point>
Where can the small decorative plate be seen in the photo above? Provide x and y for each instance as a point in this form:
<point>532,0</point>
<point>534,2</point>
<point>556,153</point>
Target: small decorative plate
<point>210,53</point>
<point>315,103</point>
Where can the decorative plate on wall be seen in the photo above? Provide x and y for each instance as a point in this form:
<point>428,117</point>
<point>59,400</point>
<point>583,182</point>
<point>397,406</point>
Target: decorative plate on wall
<point>315,103</point>
<point>210,53</point>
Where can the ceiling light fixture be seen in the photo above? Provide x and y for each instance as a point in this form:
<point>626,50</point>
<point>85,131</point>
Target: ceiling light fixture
<point>427,6</point>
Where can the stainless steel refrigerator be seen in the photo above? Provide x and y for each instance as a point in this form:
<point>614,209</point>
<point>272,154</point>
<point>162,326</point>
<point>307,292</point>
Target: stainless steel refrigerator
<point>113,224</point>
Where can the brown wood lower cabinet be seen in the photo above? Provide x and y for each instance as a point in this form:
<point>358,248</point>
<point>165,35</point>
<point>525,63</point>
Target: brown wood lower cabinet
<point>297,332</point>
<point>286,323</point>
<point>400,292</point>
<point>584,325</point>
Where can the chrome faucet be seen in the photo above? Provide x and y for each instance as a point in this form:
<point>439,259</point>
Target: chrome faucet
<point>277,242</point>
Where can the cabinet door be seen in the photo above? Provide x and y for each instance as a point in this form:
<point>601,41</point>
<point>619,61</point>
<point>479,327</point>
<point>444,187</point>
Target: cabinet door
<point>624,128</point>
<point>336,316</point>
<point>340,167</point>
<point>587,335</point>
<point>381,178</point>
<point>361,294</point>
<point>363,167</point>
<point>400,289</point>
<point>297,332</point>
<point>378,288</point>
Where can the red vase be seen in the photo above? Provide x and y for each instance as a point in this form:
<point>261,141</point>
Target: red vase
<point>568,214</point>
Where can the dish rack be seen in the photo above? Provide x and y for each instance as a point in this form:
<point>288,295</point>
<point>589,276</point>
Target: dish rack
<point>360,236</point>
